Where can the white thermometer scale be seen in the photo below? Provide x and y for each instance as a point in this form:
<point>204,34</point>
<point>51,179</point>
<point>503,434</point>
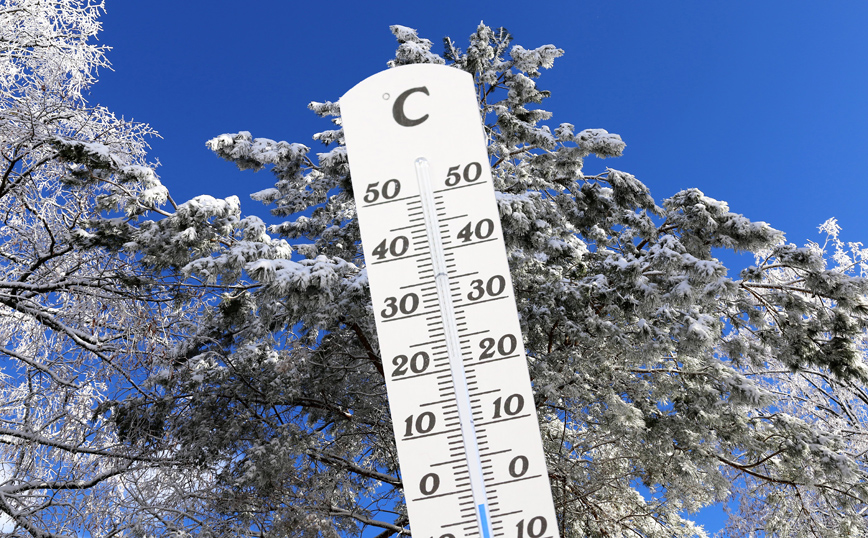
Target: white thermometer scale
<point>468,439</point>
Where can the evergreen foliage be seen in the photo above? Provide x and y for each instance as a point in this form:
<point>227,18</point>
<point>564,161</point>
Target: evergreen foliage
<point>663,382</point>
<point>180,369</point>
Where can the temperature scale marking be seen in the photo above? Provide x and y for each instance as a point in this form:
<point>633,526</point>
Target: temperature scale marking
<point>459,393</point>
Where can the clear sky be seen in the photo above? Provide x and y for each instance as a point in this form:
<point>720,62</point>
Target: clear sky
<point>760,104</point>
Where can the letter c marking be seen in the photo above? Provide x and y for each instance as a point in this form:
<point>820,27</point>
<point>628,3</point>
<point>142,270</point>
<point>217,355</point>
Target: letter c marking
<point>398,108</point>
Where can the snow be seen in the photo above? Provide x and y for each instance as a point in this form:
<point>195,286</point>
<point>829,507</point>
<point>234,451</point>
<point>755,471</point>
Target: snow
<point>530,61</point>
<point>614,334</point>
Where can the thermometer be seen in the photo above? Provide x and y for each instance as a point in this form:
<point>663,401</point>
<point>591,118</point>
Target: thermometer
<point>467,433</point>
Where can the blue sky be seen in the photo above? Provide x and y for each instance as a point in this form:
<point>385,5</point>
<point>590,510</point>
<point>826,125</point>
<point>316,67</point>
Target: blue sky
<point>760,104</point>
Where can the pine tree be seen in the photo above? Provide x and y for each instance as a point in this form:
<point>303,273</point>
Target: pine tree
<point>256,403</point>
<point>663,383</point>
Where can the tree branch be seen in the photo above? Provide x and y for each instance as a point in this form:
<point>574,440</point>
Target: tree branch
<point>350,466</point>
<point>366,344</point>
<point>339,512</point>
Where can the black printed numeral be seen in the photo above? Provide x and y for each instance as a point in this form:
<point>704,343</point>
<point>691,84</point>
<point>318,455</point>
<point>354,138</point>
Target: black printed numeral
<point>423,423</point>
<point>472,172</point>
<point>388,191</point>
<point>518,466</point>
<point>396,247</point>
<point>512,406</point>
<point>429,484</point>
<point>406,305</point>
<point>417,364</point>
<point>536,527</point>
<point>494,287</point>
<point>506,345</point>
<point>482,230</point>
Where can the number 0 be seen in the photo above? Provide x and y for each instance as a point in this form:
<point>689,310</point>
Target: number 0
<point>429,484</point>
<point>518,466</point>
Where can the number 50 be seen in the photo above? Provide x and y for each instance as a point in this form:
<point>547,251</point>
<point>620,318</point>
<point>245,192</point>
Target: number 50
<point>472,171</point>
<point>389,190</point>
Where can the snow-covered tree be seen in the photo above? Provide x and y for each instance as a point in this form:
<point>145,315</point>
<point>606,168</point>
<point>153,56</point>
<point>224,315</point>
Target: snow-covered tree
<point>663,382</point>
<point>86,328</point>
<point>184,370</point>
